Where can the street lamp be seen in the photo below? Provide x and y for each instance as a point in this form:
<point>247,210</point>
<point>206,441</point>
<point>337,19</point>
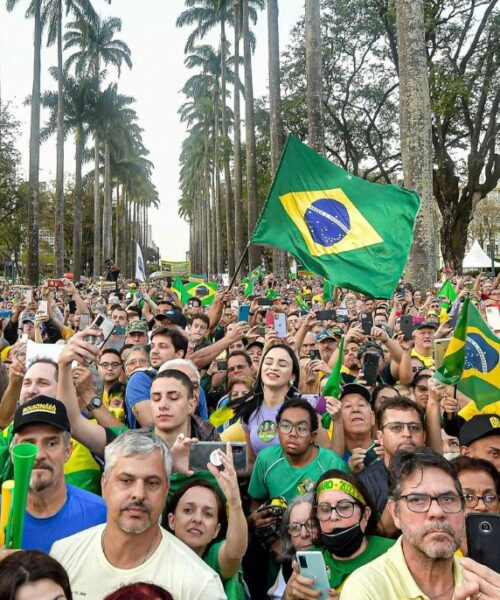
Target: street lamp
<point>492,253</point>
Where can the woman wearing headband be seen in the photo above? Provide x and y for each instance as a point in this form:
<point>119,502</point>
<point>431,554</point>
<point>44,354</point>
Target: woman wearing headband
<point>346,523</point>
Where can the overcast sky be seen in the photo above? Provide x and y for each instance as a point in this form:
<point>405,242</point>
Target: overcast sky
<point>158,73</point>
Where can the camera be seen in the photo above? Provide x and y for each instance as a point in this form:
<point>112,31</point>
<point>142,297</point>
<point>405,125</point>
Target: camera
<point>485,526</point>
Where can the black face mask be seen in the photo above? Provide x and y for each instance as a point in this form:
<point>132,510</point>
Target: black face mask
<point>344,541</point>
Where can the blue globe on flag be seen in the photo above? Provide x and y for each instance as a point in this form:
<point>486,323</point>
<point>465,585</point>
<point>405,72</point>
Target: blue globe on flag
<point>479,355</point>
<point>328,221</point>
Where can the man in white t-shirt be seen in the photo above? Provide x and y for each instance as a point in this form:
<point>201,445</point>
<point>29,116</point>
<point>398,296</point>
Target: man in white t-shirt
<point>131,546</point>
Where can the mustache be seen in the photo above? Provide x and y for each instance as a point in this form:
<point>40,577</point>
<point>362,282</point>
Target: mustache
<point>444,527</point>
<point>143,505</point>
<point>43,465</point>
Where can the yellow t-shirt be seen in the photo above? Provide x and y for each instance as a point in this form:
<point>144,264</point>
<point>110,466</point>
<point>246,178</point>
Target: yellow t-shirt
<point>427,360</point>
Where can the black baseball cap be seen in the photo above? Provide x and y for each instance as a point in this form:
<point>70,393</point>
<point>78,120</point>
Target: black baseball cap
<point>176,318</point>
<point>42,409</point>
<point>479,427</point>
<point>356,388</point>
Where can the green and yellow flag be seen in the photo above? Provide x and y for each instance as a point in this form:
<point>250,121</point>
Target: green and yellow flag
<point>447,291</point>
<point>205,291</point>
<point>300,301</point>
<point>180,289</point>
<point>332,386</point>
<point>354,233</point>
<point>247,286</point>
<point>472,360</point>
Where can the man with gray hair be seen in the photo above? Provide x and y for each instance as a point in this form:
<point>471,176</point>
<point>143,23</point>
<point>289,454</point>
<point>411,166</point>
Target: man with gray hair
<point>131,546</point>
<point>426,503</point>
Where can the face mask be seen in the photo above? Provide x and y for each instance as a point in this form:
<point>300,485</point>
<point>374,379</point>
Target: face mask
<point>118,413</point>
<point>119,330</point>
<point>451,455</point>
<point>344,542</point>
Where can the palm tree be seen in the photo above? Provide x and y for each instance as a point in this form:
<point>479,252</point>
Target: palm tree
<point>416,137</point>
<point>34,10</point>
<point>79,101</point>
<point>239,243</point>
<point>254,253</point>
<point>276,122</point>
<point>314,75</point>
<point>96,45</point>
<point>52,17</point>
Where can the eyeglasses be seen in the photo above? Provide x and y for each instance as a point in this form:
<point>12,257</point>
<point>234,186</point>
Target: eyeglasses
<point>107,365</point>
<point>136,361</point>
<point>422,388</point>
<point>295,528</point>
<point>236,368</point>
<point>420,503</point>
<point>398,427</point>
<point>301,429</point>
<point>344,509</point>
<point>490,500</point>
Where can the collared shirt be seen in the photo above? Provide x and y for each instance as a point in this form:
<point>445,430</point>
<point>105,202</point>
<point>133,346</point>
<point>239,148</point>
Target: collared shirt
<point>389,578</point>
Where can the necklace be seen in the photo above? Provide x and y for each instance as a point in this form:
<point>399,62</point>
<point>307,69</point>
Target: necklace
<point>146,556</point>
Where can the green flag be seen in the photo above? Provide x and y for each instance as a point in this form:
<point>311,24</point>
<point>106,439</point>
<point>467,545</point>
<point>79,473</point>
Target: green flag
<point>181,290</point>
<point>256,273</point>
<point>204,291</point>
<point>300,301</point>
<point>327,291</point>
<point>332,386</point>
<point>337,225</point>
<point>447,291</point>
<point>472,359</point>
<point>247,287</point>
<point>271,294</point>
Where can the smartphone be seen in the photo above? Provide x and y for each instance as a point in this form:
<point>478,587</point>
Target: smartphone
<point>43,308</point>
<point>55,283</point>
<point>106,326</point>
<point>265,302</point>
<point>28,296</point>
<point>440,347</point>
<point>371,456</point>
<point>312,564</point>
<point>370,367</point>
<point>280,324</point>
<point>84,321</point>
<point>269,319</point>
<point>483,531</point>
<point>169,281</point>
<point>23,338</point>
<point>493,317</point>
<point>222,365</point>
<point>314,355</point>
<point>406,326</point>
<point>72,307</point>
<point>203,453</point>
<point>326,315</point>
<point>5,314</point>
<point>244,312</point>
<point>366,322</point>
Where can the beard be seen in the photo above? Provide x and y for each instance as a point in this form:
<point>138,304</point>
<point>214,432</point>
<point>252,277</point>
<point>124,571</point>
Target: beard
<point>39,481</point>
<point>444,548</point>
<point>135,526</point>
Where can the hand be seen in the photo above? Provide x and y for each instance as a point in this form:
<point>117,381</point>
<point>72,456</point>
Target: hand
<point>82,380</point>
<point>226,478</point>
<point>180,454</point>
<point>450,405</point>
<point>78,349</point>
<point>355,334</point>
<point>379,334</point>
<point>408,297</point>
<point>479,582</point>
<point>17,370</point>
<point>299,587</point>
<point>238,332</point>
<point>69,286</point>
<point>212,369</point>
<point>334,408</point>
<point>356,460</point>
<point>261,517</point>
<point>320,365</point>
<point>310,320</point>
<point>437,390</point>
<point>405,344</point>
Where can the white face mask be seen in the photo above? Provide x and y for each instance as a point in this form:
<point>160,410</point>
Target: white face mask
<point>451,455</point>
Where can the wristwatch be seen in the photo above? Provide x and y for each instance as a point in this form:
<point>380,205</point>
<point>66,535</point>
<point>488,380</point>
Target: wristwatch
<point>96,402</point>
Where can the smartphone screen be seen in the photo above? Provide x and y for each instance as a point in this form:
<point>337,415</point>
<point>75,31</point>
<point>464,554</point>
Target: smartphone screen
<point>406,326</point>
<point>370,367</point>
<point>244,312</point>
<point>366,322</point>
<point>280,324</point>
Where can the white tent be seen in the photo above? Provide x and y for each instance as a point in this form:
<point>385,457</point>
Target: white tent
<point>477,258</point>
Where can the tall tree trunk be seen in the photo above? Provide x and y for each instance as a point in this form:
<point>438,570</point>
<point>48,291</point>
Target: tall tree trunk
<point>118,221</point>
<point>34,159</point>
<point>239,239</point>
<point>107,222</point>
<point>97,211</point>
<point>276,122</point>
<point>59,222</point>
<point>316,135</point>
<point>225,156</point>
<point>254,252</point>
<point>218,215</point>
<point>215,232</point>
<point>77,218</point>
<point>416,140</point>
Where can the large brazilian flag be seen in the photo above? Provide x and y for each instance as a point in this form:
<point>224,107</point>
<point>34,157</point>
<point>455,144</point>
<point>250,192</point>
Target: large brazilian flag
<point>472,359</point>
<point>355,233</point>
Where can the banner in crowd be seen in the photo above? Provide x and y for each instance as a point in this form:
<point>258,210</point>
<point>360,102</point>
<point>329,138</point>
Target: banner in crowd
<point>472,359</point>
<point>174,268</point>
<point>337,225</point>
<point>140,267</point>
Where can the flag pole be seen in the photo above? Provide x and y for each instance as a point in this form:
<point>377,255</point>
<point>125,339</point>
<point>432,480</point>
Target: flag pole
<point>237,270</point>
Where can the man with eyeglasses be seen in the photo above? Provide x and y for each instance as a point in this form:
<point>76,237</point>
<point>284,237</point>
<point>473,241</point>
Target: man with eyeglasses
<point>426,503</point>
<point>400,427</point>
<point>110,368</point>
<point>292,467</point>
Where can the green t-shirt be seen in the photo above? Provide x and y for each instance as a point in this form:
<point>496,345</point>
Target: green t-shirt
<point>274,476</point>
<point>339,570</point>
<point>234,586</point>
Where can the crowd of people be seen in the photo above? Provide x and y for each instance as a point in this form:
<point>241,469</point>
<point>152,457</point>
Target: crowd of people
<point>120,386</point>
